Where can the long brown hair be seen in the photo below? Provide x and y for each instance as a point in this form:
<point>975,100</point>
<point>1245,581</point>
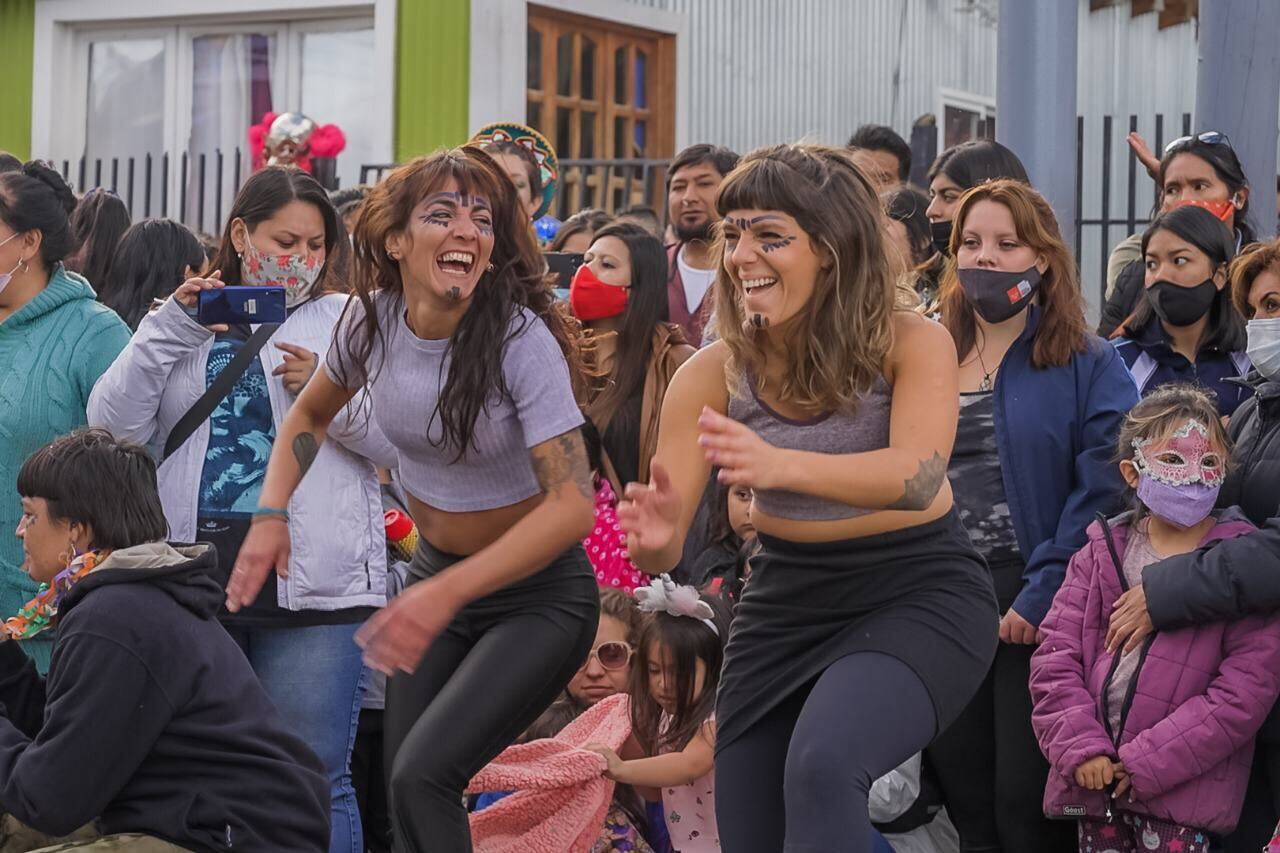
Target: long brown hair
<point>1062,331</point>
<point>836,346</point>
<point>689,640</point>
<point>516,281</point>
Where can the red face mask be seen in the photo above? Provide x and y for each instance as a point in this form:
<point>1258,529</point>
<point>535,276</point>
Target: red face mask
<point>1221,209</point>
<point>592,299</point>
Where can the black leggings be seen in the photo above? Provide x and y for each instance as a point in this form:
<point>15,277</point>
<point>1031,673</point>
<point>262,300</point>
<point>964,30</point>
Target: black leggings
<point>494,670</point>
<point>819,752</point>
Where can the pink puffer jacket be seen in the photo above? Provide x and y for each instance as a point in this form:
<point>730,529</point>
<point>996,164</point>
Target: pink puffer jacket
<point>1199,696</point>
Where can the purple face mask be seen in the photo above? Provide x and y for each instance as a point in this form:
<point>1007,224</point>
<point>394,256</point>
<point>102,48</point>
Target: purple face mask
<point>1184,505</point>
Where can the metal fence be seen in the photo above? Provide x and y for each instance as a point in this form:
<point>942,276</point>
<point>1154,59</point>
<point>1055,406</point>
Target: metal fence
<point>1116,210</point>
<point>194,189</point>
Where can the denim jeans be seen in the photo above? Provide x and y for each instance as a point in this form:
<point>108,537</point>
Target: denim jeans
<point>315,677</point>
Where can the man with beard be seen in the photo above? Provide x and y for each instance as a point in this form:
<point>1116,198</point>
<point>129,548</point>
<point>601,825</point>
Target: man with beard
<point>692,183</point>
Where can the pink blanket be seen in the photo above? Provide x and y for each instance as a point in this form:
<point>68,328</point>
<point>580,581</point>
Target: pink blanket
<point>561,796</point>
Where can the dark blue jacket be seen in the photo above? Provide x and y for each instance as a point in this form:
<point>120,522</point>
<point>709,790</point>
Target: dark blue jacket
<point>1151,359</point>
<point>152,721</point>
<point>1056,433</point>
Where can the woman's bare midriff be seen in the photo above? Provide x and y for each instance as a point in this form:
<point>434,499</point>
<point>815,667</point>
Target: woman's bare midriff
<point>851,528</point>
<point>465,533</point>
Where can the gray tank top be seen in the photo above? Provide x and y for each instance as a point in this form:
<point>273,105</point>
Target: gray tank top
<point>835,433</point>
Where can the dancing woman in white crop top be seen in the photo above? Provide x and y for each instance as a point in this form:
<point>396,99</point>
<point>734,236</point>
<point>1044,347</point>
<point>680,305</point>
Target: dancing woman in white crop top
<point>456,336</point>
<point>840,410</point>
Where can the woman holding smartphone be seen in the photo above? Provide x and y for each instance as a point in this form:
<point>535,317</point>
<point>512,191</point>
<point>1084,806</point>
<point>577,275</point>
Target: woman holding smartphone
<point>298,633</point>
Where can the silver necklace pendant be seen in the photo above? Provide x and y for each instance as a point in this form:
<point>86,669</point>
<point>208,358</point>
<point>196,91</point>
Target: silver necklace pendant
<point>986,383</point>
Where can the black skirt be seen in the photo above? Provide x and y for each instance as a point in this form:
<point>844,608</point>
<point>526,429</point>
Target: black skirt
<point>921,594</point>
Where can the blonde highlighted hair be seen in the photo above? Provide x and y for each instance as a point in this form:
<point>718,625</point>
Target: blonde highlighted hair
<point>836,346</point>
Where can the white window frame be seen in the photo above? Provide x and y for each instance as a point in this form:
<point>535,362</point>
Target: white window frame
<point>983,105</point>
<point>73,138</point>
<point>499,51</point>
<point>58,112</point>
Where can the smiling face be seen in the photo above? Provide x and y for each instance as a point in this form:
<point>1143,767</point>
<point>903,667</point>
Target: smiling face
<point>989,240</point>
<point>1171,258</point>
<point>446,245</point>
<point>771,262</point>
<point>1190,177</point>
<point>944,199</point>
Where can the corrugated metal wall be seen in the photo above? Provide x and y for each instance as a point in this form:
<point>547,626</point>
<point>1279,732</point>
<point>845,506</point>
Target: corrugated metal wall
<point>766,71</point>
<point>17,29</point>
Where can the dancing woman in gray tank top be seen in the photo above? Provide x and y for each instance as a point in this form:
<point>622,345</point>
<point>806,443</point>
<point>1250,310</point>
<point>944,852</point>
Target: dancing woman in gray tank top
<point>868,620</point>
<point>455,336</point>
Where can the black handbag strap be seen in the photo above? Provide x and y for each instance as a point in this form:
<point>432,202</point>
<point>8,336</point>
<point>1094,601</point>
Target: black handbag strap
<point>218,391</point>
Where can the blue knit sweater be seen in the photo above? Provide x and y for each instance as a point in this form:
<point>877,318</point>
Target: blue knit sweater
<point>52,351</point>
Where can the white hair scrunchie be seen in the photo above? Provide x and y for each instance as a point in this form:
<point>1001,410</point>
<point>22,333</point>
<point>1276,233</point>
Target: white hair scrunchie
<point>663,595</point>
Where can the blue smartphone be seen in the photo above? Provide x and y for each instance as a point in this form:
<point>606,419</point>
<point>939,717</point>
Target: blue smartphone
<point>236,305</point>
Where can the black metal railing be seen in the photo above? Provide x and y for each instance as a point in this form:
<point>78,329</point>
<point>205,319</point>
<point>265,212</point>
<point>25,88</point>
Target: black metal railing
<point>1136,213</point>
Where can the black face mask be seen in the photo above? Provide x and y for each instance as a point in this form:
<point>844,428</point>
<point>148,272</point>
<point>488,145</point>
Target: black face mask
<point>941,235</point>
<point>998,295</point>
<point>1181,306</point>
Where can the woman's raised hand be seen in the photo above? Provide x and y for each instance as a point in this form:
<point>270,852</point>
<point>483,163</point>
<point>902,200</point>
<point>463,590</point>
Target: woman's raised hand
<point>188,293</point>
<point>649,514</point>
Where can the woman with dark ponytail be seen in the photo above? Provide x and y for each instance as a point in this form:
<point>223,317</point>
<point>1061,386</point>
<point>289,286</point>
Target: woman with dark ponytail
<point>55,341</point>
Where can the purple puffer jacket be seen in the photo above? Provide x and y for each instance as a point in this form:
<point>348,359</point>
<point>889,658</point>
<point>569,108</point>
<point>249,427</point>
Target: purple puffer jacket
<point>1200,695</point>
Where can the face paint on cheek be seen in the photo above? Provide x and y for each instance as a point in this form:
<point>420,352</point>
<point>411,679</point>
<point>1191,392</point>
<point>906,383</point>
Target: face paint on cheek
<point>777,244</point>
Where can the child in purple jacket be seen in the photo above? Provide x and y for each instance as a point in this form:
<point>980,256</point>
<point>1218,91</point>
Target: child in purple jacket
<point>1151,746</point>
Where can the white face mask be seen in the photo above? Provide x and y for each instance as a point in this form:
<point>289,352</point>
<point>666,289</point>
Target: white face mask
<point>1264,346</point>
<point>6,277</point>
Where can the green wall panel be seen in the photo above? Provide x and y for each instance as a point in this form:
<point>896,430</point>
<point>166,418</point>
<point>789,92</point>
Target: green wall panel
<point>433,61</point>
<point>17,41</point>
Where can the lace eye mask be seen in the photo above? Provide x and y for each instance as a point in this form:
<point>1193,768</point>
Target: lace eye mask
<point>1187,456</point>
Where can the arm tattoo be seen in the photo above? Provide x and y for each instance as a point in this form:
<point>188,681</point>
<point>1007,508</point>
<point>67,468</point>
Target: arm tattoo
<point>305,449</point>
<point>563,460</point>
<point>921,489</point>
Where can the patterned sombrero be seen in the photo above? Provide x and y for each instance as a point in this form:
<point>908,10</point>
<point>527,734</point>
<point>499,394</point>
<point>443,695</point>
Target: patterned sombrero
<point>504,131</point>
